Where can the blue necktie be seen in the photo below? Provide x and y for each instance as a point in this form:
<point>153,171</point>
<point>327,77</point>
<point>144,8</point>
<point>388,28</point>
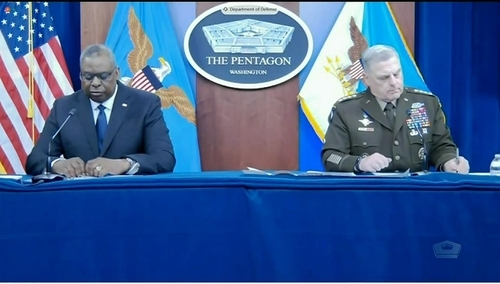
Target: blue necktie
<point>101,125</point>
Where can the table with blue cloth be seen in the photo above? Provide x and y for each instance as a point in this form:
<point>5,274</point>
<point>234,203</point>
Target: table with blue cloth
<point>228,226</point>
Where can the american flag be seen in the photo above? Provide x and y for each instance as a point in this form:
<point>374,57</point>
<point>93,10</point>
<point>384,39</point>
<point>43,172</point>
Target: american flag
<point>356,71</point>
<point>26,100</point>
<point>146,80</point>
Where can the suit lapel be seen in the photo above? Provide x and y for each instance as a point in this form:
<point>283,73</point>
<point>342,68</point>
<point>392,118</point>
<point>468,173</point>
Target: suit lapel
<point>86,117</point>
<point>370,105</point>
<point>117,116</point>
<point>401,112</point>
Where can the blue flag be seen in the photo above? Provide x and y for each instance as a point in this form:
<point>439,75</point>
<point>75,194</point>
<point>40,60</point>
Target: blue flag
<point>147,51</point>
<point>380,27</point>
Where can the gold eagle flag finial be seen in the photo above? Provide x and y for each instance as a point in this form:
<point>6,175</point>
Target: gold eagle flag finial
<point>359,42</point>
<point>359,46</point>
<point>137,59</point>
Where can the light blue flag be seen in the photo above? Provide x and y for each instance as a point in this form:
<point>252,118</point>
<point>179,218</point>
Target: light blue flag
<point>147,51</point>
<point>380,27</point>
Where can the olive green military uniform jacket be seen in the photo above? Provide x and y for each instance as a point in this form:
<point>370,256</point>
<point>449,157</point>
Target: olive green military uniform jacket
<point>359,127</point>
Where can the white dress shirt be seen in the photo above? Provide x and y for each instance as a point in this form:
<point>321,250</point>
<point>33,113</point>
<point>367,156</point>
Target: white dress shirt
<point>108,104</point>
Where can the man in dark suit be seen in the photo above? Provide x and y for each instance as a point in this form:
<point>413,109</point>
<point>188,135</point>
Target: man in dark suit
<point>378,129</point>
<point>115,130</point>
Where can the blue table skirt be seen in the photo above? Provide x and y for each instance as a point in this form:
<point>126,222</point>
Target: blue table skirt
<point>223,226</point>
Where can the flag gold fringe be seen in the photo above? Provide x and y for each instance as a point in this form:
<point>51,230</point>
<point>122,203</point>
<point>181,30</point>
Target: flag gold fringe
<point>31,77</point>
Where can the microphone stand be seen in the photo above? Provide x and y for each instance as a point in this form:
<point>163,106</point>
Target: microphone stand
<point>425,166</point>
<point>48,175</point>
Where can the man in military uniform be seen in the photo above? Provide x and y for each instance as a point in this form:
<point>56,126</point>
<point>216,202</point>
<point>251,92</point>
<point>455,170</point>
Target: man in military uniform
<point>389,127</point>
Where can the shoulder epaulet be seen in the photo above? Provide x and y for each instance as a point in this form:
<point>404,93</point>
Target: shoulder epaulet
<point>348,98</point>
<point>418,91</point>
<point>422,92</point>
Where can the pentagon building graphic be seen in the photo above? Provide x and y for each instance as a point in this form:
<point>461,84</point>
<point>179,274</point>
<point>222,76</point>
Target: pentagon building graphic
<point>248,36</point>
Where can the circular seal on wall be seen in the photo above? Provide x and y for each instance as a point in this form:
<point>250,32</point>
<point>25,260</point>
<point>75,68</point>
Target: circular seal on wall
<point>248,45</point>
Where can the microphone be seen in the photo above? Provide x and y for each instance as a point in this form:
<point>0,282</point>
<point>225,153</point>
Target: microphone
<point>420,133</point>
<point>48,175</point>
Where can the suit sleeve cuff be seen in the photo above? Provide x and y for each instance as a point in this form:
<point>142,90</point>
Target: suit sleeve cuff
<point>134,166</point>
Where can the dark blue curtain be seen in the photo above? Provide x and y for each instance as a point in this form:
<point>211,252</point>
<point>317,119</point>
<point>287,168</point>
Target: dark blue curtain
<point>457,48</point>
<point>66,17</point>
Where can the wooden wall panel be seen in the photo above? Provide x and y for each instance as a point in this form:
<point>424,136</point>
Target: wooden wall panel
<point>238,128</point>
<point>241,128</point>
<point>95,21</point>
<point>404,12</point>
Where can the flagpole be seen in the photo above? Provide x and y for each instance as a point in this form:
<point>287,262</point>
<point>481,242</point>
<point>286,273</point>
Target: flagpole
<point>31,78</point>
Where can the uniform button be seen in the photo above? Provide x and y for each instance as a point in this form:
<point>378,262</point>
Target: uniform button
<point>397,157</point>
<point>396,171</point>
<point>396,142</point>
<point>364,143</point>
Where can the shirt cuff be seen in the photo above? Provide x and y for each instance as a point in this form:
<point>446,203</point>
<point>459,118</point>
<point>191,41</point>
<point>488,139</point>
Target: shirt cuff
<point>134,167</point>
<point>54,161</point>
